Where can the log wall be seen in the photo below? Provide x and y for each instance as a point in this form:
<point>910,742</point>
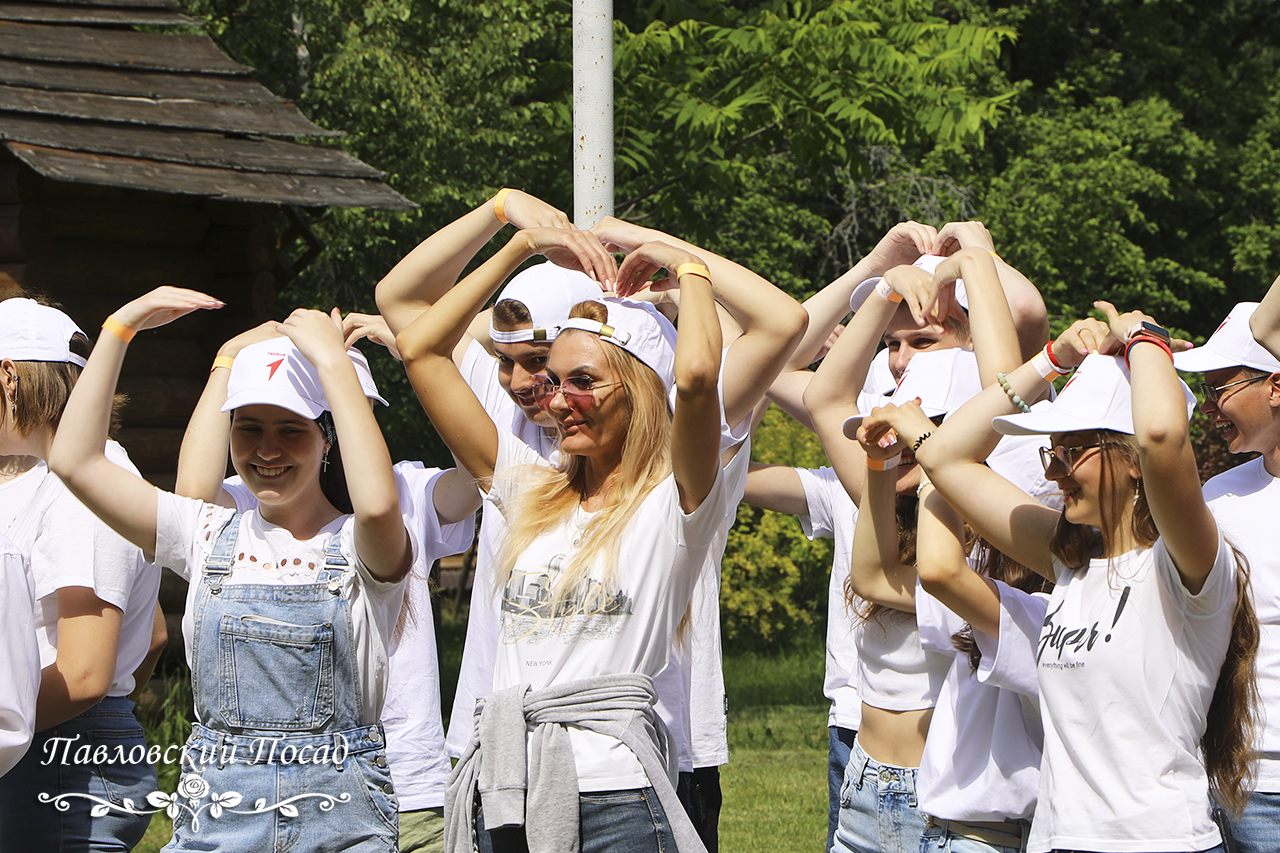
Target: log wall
<point>91,249</point>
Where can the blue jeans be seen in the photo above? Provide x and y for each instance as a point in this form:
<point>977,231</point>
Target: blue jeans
<point>611,822</point>
<point>837,759</point>
<point>1258,829</point>
<point>878,808</point>
<point>937,840</point>
<point>52,768</point>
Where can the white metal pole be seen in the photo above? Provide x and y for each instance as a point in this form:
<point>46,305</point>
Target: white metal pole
<point>592,111</point>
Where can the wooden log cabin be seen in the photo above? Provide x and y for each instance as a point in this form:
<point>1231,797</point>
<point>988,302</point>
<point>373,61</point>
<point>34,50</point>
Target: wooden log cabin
<point>130,159</point>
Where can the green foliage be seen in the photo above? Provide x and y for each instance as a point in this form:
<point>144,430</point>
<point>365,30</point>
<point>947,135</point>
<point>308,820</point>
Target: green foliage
<point>773,592</point>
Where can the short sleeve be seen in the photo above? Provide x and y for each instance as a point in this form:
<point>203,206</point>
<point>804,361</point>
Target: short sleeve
<point>699,527</point>
<point>185,531</point>
<point>385,597</point>
<point>820,523</point>
<point>20,663</point>
<point>1219,590</point>
<point>240,494</point>
<point>416,486</point>
<point>480,371</point>
<point>512,455</point>
<point>73,547</point>
<point>1009,661</point>
<point>936,622</point>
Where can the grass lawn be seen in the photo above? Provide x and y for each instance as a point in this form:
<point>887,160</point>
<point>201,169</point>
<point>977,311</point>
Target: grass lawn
<point>775,784</point>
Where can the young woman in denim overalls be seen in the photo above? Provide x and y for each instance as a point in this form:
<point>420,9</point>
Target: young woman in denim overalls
<point>288,674</point>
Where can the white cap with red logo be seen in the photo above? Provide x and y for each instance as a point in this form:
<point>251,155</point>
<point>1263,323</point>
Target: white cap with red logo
<point>1232,345</point>
<point>275,373</point>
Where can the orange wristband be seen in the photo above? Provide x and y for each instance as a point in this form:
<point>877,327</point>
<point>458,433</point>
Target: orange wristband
<point>120,330</point>
<point>498,201</point>
<point>693,268</point>
<point>884,464</point>
<point>222,361</point>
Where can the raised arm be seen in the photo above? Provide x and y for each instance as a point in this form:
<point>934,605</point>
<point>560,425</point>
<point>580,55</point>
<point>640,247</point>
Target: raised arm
<point>771,321</point>
<point>427,344</point>
<point>877,573</point>
<point>1022,297</point>
<point>1265,322</point>
<point>202,461</point>
<point>425,274</point>
<point>695,429</point>
<point>380,537</point>
<point>1170,476</point>
<point>944,570</point>
<point>121,498</point>
<point>991,327</point>
<point>777,488</point>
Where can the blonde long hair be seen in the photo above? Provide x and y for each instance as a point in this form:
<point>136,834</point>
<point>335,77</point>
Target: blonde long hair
<point>547,497</point>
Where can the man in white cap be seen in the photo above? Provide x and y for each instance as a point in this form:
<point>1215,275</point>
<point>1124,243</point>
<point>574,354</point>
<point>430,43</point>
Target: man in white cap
<point>1242,401</point>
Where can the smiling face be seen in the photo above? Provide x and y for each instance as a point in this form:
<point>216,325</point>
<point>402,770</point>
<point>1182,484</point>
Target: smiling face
<point>277,453</point>
<point>903,338</point>
<point>518,366</point>
<point>1088,486</point>
<point>597,430</point>
<point>1247,415</point>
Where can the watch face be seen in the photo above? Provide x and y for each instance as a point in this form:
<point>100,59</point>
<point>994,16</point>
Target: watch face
<point>1153,329</point>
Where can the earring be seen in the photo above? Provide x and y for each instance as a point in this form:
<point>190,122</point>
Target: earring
<point>1137,491</point>
<point>324,461</point>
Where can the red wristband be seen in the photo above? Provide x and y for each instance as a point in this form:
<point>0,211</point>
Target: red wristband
<point>1048,351</point>
<point>1148,339</point>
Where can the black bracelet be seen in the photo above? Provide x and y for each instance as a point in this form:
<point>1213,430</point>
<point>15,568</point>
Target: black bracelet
<point>915,448</point>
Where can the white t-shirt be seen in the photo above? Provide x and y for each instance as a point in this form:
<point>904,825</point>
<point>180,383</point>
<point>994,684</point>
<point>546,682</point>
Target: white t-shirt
<point>832,513</point>
<point>20,663</point>
<point>187,531</point>
<point>704,661</point>
<point>479,653</point>
<point>981,758</point>
<point>895,672</point>
<point>411,714</point>
<point>69,546</point>
<point>1128,660</point>
<point>1246,502</point>
<point>628,626</point>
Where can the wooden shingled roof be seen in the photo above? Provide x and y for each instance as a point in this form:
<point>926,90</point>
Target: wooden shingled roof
<point>85,98</point>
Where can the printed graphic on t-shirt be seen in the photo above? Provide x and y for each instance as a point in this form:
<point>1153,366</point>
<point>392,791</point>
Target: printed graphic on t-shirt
<point>1058,638</point>
<point>532,613</point>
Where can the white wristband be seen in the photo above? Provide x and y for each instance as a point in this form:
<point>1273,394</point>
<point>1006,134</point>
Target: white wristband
<point>888,292</point>
<point>1043,365</point>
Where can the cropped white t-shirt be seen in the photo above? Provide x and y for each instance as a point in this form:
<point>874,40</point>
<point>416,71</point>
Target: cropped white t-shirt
<point>411,714</point>
<point>832,513</point>
<point>626,625</point>
<point>895,672</point>
<point>981,758</point>
<point>1128,660</point>
<point>69,546</point>
<point>186,532</point>
<point>1246,503</point>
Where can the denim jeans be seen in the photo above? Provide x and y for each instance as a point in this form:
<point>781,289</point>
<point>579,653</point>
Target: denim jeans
<point>878,808</point>
<point>1258,829</point>
<point>27,824</point>
<point>937,840</point>
<point>837,759</point>
<point>611,822</point>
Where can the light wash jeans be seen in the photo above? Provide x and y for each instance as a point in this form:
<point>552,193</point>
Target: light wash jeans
<point>837,759</point>
<point>878,808</point>
<point>26,824</point>
<point>1258,829</point>
<point>612,822</point>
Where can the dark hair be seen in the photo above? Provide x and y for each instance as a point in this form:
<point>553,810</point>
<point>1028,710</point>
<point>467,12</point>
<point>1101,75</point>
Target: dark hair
<point>333,478</point>
<point>510,313</point>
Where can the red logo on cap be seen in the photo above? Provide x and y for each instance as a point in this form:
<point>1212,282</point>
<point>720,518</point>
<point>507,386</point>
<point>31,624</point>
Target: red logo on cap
<point>275,365</point>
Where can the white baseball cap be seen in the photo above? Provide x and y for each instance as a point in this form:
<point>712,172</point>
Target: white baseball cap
<point>944,381</point>
<point>549,292</point>
<point>640,329</point>
<point>1099,396</point>
<point>1232,345</point>
<point>928,263</point>
<point>275,373</point>
<point>30,331</point>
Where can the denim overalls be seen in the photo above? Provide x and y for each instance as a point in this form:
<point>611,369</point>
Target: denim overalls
<point>280,759</point>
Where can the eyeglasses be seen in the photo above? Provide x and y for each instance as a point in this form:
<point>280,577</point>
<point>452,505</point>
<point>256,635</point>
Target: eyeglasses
<point>1213,394</point>
<point>577,391</point>
<point>1067,457</point>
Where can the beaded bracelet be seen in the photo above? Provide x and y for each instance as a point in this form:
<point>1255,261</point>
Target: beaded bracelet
<point>1003,379</point>
<point>884,464</point>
